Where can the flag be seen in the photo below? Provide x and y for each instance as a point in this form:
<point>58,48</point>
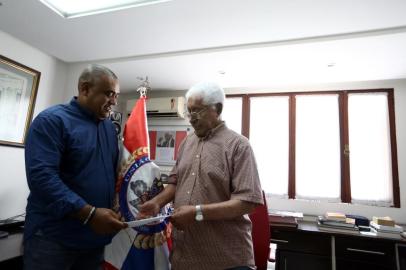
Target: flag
<point>145,247</point>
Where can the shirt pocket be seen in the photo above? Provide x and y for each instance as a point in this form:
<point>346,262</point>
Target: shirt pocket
<point>213,167</point>
<point>214,179</point>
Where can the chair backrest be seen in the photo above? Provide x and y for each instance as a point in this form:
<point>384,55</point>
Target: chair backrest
<point>261,235</point>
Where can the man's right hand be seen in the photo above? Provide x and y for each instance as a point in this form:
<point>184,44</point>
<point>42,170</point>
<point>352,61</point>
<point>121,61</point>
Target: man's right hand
<point>106,221</point>
<point>147,209</point>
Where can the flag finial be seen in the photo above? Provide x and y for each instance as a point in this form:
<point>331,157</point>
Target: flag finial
<point>144,87</point>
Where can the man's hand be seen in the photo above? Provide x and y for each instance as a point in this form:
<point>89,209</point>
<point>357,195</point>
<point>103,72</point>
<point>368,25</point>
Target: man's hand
<point>106,221</point>
<point>147,209</point>
<point>183,216</point>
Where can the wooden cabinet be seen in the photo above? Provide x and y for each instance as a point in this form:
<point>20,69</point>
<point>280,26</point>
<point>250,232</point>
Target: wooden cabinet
<point>295,260</point>
<point>343,264</point>
<point>11,250</point>
<point>12,264</point>
<point>364,253</point>
<point>402,256</point>
<point>296,240</point>
<point>309,248</point>
<point>302,250</point>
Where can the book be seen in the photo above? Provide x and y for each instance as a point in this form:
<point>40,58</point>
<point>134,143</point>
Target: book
<point>282,221</point>
<point>394,235</point>
<point>335,216</point>
<point>349,223</point>
<point>384,228</point>
<point>352,228</point>
<point>141,222</point>
<point>297,215</point>
<point>333,229</point>
<point>359,220</point>
<point>386,221</point>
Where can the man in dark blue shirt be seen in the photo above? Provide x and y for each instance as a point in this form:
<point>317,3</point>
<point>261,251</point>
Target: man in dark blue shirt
<point>71,156</point>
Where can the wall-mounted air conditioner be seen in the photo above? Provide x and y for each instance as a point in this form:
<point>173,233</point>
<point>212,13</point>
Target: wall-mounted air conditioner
<point>167,107</point>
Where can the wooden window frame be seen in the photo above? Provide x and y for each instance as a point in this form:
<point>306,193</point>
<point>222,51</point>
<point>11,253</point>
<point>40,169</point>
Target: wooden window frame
<point>344,136</point>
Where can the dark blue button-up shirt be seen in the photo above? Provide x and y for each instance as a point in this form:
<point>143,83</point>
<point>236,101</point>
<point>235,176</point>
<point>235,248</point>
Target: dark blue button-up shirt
<point>71,160</point>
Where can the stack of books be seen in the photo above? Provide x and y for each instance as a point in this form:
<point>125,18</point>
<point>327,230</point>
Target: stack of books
<point>384,221</point>
<point>284,219</point>
<point>337,222</point>
<point>335,216</point>
<point>386,227</point>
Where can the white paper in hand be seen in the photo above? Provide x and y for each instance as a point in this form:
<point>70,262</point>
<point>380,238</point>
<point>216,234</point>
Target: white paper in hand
<point>146,221</point>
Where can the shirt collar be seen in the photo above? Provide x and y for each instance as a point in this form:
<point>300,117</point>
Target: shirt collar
<point>214,130</point>
<point>74,102</point>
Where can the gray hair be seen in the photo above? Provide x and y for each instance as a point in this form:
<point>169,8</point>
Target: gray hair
<point>209,92</point>
<point>94,71</point>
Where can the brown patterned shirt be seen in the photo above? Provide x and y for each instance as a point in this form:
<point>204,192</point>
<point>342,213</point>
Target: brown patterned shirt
<point>215,169</point>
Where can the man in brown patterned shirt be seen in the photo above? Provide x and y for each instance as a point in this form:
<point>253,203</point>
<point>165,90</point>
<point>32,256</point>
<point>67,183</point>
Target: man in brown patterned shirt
<point>214,186</point>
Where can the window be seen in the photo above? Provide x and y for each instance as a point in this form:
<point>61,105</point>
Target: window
<point>333,146</point>
<point>269,137</point>
<point>370,151</point>
<point>232,111</point>
<point>318,172</point>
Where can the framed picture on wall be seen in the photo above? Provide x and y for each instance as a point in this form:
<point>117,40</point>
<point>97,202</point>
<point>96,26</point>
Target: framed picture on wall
<point>117,119</point>
<point>164,143</point>
<point>18,90</point>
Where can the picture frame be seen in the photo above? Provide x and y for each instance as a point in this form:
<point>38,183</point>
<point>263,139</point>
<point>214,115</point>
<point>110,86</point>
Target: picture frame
<point>164,143</point>
<point>117,120</point>
<point>18,91</point>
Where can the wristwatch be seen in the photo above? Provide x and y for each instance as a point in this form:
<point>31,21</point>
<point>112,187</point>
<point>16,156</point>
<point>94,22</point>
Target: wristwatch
<point>199,213</point>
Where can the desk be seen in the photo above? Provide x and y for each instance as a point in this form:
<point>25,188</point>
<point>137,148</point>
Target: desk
<point>11,250</point>
<point>309,248</point>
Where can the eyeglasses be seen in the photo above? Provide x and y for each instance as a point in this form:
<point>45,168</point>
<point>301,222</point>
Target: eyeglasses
<point>196,115</point>
<point>111,94</point>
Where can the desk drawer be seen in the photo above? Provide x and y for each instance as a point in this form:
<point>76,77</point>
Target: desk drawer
<point>369,250</point>
<point>302,241</point>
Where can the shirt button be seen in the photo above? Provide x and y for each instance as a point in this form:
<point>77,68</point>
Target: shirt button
<point>197,156</point>
<point>188,192</point>
<point>193,173</point>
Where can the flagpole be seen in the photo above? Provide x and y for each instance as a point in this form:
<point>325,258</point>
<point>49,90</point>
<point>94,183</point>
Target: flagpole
<point>142,89</point>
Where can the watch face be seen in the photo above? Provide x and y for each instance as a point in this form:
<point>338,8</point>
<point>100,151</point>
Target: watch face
<point>199,217</point>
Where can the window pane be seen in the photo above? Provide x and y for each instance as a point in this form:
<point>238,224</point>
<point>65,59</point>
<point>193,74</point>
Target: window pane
<point>318,172</point>
<point>370,153</point>
<point>232,113</point>
<point>269,137</point>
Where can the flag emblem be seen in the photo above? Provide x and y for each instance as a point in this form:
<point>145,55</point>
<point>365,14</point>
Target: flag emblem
<point>144,247</point>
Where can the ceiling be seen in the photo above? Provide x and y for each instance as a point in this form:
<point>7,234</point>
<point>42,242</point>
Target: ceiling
<point>256,43</point>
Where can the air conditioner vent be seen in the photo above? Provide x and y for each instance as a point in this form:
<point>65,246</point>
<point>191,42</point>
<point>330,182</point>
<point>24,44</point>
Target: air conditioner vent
<point>156,114</point>
<point>168,107</point>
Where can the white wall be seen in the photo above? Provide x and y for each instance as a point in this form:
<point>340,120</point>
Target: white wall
<point>312,208</point>
<point>13,185</point>
<point>317,208</point>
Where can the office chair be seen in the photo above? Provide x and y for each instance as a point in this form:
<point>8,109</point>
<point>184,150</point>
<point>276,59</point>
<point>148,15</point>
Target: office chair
<point>261,235</point>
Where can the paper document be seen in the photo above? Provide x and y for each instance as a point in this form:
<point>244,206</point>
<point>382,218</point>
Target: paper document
<point>140,222</point>
<point>298,215</point>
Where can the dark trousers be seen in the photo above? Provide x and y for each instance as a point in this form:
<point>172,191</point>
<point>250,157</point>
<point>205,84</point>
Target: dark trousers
<point>43,254</point>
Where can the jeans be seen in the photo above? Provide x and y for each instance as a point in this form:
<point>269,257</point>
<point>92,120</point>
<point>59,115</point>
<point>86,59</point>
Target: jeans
<point>44,254</point>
